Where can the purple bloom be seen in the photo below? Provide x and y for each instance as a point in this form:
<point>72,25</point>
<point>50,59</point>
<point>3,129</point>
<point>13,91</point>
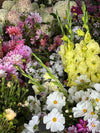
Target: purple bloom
<point>72,129</point>
<point>25,51</point>
<point>82,126</point>
<point>37,18</point>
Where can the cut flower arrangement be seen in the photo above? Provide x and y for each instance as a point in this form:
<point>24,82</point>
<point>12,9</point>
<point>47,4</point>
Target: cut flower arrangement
<point>69,106</point>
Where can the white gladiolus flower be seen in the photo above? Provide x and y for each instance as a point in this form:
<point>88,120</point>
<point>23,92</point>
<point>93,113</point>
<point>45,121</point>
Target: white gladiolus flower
<point>32,126</point>
<point>54,121</point>
<point>55,100</point>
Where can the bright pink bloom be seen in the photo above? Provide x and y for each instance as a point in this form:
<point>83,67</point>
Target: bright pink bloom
<point>14,31</point>
<point>82,126</point>
<point>43,42</point>
<point>12,44</point>
<point>19,44</point>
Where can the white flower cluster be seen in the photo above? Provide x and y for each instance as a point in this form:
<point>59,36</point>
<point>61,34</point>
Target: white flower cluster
<point>61,7</point>
<point>87,102</point>
<point>54,120</point>
<point>56,67</point>
<point>35,70</point>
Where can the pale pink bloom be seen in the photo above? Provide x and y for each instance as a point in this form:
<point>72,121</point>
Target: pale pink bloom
<point>37,18</point>
<point>13,17</point>
<point>32,40</point>
<point>14,31</point>
<point>38,33</point>
<point>10,69</point>
<point>13,57</point>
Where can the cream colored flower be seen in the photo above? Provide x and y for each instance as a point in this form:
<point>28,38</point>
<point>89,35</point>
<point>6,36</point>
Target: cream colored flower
<point>7,4</point>
<point>10,114</point>
<point>93,47</point>
<point>46,29</point>
<point>24,6</point>
<point>61,7</point>
<point>3,14</point>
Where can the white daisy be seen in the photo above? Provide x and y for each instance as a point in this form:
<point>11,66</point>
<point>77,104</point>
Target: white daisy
<point>96,96</point>
<point>54,121</point>
<point>82,109</point>
<point>78,96</point>
<point>32,126</point>
<point>55,100</point>
<point>82,79</point>
<point>93,125</point>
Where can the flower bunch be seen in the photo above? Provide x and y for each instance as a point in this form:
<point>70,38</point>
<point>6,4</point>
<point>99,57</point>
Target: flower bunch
<point>85,53</point>
<point>12,96</point>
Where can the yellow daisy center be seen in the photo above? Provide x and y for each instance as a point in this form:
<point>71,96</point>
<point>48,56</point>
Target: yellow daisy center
<point>55,102</point>
<point>73,9</point>
<point>64,17</point>
<point>80,99</point>
<point>93,125</point>
<point>97,99</point>
<point>92,113</point>
<point>84,110</point>
<point>86,98</point>
<point>54,119</point>
<point>81,80</point>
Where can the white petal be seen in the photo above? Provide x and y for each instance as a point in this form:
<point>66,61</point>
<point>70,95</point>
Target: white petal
<point>54,127</point>
<point>60,126</point>
<point>46,119</point>
<point>48,125</point>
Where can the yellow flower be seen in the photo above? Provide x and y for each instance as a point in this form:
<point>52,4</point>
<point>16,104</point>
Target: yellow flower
<point>87,37</point>
<point>46,76</point>
<point>35,88</point>
<point>93,47</point>
<point>10,114</point>
<point>94,63</point>
<point>80,32</point>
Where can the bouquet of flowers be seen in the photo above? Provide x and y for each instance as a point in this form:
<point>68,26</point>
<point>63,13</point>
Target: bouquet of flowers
<point>56,93</point>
